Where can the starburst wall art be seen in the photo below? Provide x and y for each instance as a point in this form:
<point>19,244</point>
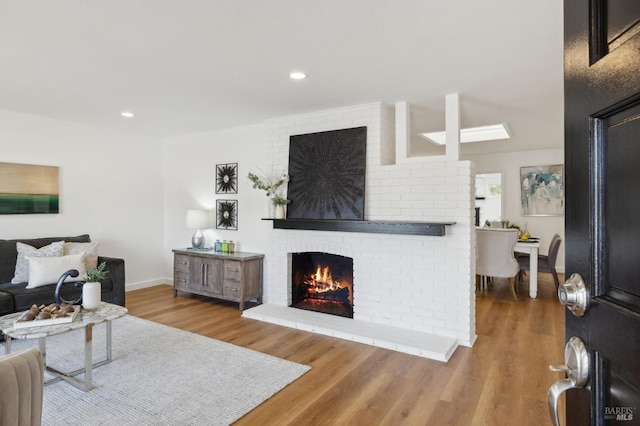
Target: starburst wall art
<point>227,178</point>
<point>227,214</point>
<point>327,171</point>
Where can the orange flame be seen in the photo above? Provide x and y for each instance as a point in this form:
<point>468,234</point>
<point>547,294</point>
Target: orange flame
<point>322,281</point>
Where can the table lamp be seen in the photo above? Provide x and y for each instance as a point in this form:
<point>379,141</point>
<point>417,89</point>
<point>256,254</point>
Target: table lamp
<point>198,219</point>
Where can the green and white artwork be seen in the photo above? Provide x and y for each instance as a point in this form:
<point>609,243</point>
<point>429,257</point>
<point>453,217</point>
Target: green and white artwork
<point>542,190</point>
<point>28,189</point>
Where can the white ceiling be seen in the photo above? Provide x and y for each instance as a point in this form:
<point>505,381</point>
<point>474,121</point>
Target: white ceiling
<point>197,65</point>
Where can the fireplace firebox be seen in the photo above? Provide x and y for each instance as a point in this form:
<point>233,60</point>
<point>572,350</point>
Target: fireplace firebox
<point>322,282</point>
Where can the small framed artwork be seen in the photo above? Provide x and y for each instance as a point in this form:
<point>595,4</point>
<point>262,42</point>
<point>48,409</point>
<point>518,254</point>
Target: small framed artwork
<point>227,178</point>
<point>542,190</point>
<point>227,214</point>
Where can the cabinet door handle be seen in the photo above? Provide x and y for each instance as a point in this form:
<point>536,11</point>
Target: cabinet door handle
<point>206,274</point>
<point>202,274</point>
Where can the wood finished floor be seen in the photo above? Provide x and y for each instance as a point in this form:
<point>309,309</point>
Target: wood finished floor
<point>502,380</point>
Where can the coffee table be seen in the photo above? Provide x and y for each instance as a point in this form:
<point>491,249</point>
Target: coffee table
<point>85,319</point>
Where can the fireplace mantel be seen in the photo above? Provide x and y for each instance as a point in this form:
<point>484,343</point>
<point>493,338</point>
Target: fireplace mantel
<point>368,226</point>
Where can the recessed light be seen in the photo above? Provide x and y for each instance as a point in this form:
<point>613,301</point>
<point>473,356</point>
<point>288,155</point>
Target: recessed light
<point>127,114</point>
<point>472,134</point>
<point>297,75</point>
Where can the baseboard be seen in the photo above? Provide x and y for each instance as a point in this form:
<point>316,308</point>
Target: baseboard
<point>144,284</point>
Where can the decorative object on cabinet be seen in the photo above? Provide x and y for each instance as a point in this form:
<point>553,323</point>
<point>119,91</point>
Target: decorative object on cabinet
<point>236,277</point>
<point>227,178</point>
<point>28,189</point>
<point>198,219</point>
<point>327,171</point>
<point>227,214</point>
<point>542,190</point>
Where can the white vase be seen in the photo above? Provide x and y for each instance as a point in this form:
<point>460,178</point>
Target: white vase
<point>271,213</point>
<point>91,295</point>
<point>280,211</point>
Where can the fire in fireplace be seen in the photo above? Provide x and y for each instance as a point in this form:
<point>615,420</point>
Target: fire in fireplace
<point>322,282</point>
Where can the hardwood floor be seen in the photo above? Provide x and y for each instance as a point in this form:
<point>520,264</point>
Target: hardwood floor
<point>502,380</point>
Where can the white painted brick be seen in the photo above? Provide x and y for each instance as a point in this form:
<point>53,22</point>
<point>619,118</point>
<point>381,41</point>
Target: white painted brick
<point>433,273</point>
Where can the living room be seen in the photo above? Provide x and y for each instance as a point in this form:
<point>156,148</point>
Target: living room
<point>130,189</point>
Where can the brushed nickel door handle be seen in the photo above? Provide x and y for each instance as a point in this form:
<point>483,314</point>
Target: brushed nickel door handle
<point>576,366</point>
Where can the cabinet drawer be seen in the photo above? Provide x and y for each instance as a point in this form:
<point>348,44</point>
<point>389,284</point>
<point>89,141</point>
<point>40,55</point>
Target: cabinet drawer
<point>181,263</point>
<point>231,289</point>
<point>181,279</point>
<point>232,270</point>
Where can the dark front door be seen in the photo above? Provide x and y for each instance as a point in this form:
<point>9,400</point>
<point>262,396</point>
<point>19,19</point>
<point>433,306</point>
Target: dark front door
<point>602,163</point>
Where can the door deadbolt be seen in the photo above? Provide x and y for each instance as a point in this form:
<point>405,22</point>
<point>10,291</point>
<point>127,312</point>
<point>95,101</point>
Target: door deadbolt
<point>574,295</point>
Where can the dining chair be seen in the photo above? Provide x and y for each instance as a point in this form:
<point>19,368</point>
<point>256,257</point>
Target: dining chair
<point>546,263</point>
<point>21,381</point>
<point>494,255</point>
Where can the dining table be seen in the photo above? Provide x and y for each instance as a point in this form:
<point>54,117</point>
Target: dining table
<point>531,246</point>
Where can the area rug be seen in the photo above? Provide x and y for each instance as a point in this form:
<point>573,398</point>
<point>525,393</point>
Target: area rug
<point>159,376</point>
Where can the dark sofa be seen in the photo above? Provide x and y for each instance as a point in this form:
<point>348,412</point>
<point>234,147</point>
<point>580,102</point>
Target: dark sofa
<point>16,297</point>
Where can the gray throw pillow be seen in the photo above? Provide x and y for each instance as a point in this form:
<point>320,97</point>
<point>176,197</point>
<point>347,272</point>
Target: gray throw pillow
<point>22,264</point>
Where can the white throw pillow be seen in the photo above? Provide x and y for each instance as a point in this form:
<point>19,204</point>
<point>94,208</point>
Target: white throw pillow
<point>90,251</point>
<point>21,274</point>
<point>47,270</point>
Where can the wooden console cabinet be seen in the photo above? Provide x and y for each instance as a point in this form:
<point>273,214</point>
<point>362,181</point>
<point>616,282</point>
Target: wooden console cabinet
<point>236,277</point>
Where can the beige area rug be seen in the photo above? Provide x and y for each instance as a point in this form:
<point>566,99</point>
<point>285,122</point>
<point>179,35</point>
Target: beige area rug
<point>159,376</point>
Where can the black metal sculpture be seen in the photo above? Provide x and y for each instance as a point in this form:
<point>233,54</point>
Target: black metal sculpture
<point>70,273</point>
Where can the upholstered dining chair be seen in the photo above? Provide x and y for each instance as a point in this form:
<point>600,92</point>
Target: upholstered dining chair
<point>546,263</point>
<point>494,255</point>
<point>21,384</point>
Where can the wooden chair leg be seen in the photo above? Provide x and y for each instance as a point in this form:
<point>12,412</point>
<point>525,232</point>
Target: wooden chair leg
<point>477,283</point>
<point>513,287</point>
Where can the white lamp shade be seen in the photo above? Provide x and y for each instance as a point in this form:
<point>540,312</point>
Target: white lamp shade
<point>199,219</point>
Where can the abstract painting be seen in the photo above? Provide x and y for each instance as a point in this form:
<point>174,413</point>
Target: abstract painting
<point>227,214</point>
<point>227,178</point>
<point>28,189</point>
<point>542,190</point>
<point>327,173</point>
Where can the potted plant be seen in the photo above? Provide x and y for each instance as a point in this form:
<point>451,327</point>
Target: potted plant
<point>91,289</point>
<point>272,185</point>
<point>280,202</point>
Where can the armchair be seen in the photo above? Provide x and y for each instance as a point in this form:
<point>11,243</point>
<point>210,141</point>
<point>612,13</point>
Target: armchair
<point>21,381</point>
<point>494,255</point>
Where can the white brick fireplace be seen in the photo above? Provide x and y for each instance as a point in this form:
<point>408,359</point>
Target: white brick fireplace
<point>412,293</point>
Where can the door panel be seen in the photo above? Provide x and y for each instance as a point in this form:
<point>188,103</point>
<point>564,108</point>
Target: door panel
<point>613,23</point>
<point>620,166</point>
<point>602,159</point>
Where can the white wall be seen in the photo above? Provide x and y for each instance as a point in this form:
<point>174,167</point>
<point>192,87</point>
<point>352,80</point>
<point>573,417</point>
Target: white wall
<point>110,187</point>
<point>509,165</point>
<point>189,167</point>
